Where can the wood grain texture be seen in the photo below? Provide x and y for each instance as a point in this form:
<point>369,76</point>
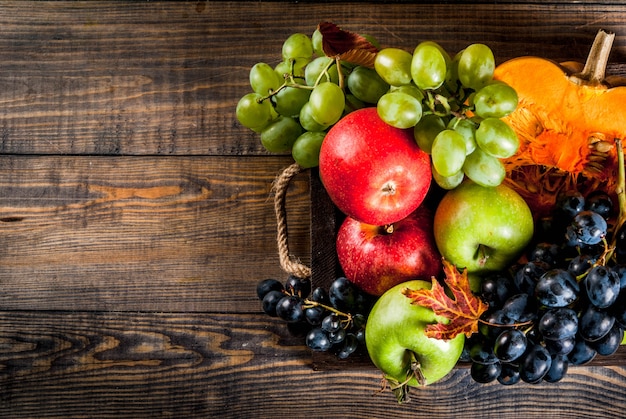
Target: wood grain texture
<point>142,233</point>
<point>128,365</point>
<point>163,78</point>
<point>136,214</point>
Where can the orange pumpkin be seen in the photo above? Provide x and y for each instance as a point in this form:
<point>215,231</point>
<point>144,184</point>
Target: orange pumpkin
<point>567,121</point>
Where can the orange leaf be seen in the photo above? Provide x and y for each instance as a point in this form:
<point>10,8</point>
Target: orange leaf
<point>348,46</point>
<point>463,310</point>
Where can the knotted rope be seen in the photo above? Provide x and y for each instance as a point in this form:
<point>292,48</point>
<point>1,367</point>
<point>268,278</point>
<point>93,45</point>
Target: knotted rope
<point>280,191</point>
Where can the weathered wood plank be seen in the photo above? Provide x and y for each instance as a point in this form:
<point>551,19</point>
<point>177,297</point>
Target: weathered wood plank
<point>128,365</point>
<point>121,233</point>
<point>164,77</point>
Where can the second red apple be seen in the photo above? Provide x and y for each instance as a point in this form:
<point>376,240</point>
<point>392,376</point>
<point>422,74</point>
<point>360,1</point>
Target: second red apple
<point>376,258</point>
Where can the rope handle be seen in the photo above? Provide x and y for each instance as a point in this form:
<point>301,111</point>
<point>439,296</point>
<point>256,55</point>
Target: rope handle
<point>287,263</point>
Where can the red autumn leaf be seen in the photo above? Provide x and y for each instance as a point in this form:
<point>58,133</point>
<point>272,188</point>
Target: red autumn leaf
<point>463,310</point>
<point>348,46</point>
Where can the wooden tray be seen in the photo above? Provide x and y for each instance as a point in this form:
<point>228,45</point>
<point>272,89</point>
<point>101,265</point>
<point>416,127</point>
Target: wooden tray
<point>325,221</point>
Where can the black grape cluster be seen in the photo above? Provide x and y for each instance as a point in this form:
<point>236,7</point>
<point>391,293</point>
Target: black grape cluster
<point>331,320</point>
<point>561,305</point>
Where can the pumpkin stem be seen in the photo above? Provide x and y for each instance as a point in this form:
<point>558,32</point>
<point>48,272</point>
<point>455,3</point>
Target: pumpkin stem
<point>595,66</point>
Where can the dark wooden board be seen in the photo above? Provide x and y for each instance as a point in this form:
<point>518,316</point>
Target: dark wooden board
<point>136,214</point>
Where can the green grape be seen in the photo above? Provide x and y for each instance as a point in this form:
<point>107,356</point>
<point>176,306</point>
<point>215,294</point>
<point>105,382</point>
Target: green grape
<point>307,121</point>
<point>409,89</point>
<point>496,138</point>
<point>316,67</point>
<point>316,40</point>
<point>297,45</point>
<point>306,149</point>
<point>484,169</point>
<point>366,85</point>
<point>452,83</point>
<point>372,40</point>
<point>497,99</point>
<point>290,100</point>
<point>327,103</point>
<point>292,66</point>
<point>426,130</point>
<point>448,152</point>
<point>352,104</point>
<point>280,135</point>
<point>428,66</point>
<point>394,66</point>
<point>448,182</point>
<point>476,66</point>
<point>252,113</point>
<point>400,110</point>
<point>264,79</point>
<point>467,129</point>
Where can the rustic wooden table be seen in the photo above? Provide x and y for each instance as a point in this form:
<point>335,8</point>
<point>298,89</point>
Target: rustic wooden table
<point>136,215</point>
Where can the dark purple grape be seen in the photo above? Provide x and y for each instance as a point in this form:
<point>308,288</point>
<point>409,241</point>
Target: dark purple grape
<point>527,276</point>
<point>337,336</point>
<point>561,346</point>
<point>558,369</point>
<point>557,288</point>
<point>601,203</point>
<point>602,285</point>
<point>300,287</point>
<point>348,347</point>
<point>620,245</point>
<point>581,264</point>
<point>320,295</point>
<point>620,271</point>
<point>496,289</point>
<point>347,297</point>
<point>267,285</point>
<point>610,343</point>
<point>485,373</point>
<point>317,340</point>
<point>558,323</point>
<point>494,323</point>
<point>582,353</point>
<point>548,253</point>
<point>331,323</point>
<point>587,228</point>
<point>570,204</point>
<point>289,308</point>
<point>510,345</point>
<point>481,352</point>
<point>520,308</point>
<point>314,315</point>
<point>535,364</point>
<point>509,375</point>
<point>595,323</point>
<point>270,300</point>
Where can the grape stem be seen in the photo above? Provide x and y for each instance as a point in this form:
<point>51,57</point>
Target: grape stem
<point>620,190</point>
<point>310,303</point>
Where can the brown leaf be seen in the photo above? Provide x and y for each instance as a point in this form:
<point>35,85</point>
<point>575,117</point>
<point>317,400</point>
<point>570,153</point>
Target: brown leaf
<point>348,46</point>
<point>463,310</point>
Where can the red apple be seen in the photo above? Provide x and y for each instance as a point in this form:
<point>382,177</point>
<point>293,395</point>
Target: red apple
<point>375,258</point>
<point>373,172</point>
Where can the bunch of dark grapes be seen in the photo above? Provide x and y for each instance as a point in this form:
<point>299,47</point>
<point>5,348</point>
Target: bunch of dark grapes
<point>331,320</point>
<point>563,304</point>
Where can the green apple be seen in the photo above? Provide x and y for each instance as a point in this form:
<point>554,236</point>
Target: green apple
<point>398,346</point>
<point>482,228</point>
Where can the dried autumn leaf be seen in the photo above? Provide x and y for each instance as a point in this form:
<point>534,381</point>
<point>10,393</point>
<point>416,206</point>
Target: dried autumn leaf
<point>346,45</point>
<point>463,310</point>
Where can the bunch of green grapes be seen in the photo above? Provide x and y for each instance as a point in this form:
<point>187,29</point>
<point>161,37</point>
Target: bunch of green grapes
<point>453,104</point>
<point>455,108</point>
<point>295,103</point>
